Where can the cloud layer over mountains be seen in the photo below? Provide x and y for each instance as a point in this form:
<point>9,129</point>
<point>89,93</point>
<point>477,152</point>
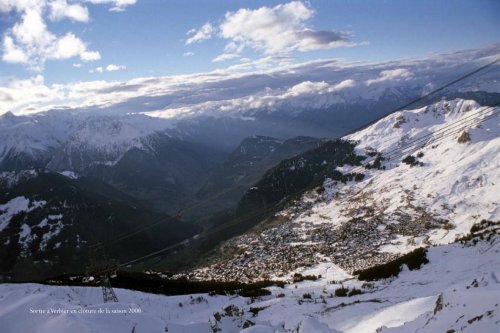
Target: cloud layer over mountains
<point>273,83</point>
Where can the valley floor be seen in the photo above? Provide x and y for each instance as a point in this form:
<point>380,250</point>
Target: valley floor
<point>457,291</point>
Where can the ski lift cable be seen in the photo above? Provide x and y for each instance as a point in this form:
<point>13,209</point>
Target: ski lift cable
<point>423,97</point>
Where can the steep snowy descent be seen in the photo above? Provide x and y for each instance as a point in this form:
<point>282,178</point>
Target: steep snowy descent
<point>455,181</point>
<point>448,184</point>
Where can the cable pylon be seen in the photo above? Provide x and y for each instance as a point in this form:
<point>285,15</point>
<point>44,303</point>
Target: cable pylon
<point>102,266</point>
<point>108,294</point>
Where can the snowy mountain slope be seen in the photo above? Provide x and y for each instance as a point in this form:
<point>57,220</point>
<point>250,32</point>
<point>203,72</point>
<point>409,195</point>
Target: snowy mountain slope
<point>395,208</point>
<point>51,137</point>
<point>458,183</point>
<point>457,290</point>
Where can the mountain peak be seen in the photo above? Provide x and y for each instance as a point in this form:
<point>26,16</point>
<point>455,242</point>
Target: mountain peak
<point>7,115</point>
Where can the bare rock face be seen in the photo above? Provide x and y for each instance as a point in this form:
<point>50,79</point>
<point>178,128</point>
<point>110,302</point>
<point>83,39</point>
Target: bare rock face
<point>464,137</point>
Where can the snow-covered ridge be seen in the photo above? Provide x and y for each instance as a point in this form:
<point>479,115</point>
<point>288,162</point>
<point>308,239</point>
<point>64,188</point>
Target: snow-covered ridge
<point>106,137</point>
<point>457,180</point>
<point>401,127</point>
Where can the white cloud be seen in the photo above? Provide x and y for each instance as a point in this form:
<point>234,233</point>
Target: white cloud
<point>29,95</point>
<point>309,40</point>
<point>66,47</point>
<point>232,47</point>
<point>308,87</point>
<point>60,9</point>
<point>114,68</point>
<point>225,56</point>
<point>390,75</point>
<point>77,65</point>
<point>29,41</point>
<point>307,94</point>
<point>343,85</point>
<point>260,64</point>
<point>303,94</point>
<point>12,53</point>
<point>205,32</point>
<point>32,30</point>
<point>116,5</point>
<point>90,56</point>
<point>188,54</point>
<point>108,68</point>
<point>278,29</point>
<point>322,87</point>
